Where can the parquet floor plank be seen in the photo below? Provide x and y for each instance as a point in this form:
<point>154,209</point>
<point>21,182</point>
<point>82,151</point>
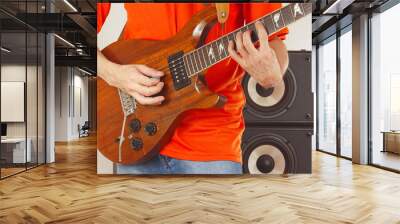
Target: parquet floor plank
<point>70,191</point>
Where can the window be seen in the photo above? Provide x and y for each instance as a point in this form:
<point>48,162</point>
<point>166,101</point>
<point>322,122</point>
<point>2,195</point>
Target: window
<point>22,101</point>
<point>327,97</point>
<point>346,75</point>
<point>385,87</point>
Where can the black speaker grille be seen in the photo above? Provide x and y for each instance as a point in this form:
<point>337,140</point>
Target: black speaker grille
<point>273,141</point>
<point>281,107</point>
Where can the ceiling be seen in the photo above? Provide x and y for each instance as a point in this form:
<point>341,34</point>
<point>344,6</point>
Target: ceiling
<point>75,22</point>
<point>329,16</point>
<point>72,20</point>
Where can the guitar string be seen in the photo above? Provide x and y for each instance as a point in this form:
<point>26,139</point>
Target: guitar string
<point>206,45</point>
<point>181,59</point>
<point>227,35</point>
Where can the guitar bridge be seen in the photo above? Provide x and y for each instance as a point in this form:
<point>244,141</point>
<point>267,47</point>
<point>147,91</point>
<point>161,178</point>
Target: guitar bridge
<point>127,103</point>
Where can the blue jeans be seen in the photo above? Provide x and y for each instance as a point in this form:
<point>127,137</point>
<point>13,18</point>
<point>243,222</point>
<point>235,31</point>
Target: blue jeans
<point>166,165</point>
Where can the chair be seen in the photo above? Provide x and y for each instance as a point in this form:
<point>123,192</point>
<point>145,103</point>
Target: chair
<point>84,130</point>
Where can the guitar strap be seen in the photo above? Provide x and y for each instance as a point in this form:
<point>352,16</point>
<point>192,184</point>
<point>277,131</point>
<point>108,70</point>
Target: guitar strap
<point>222,12</point>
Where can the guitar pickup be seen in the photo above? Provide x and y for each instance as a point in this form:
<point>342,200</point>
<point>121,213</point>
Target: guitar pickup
<point>178,71</point>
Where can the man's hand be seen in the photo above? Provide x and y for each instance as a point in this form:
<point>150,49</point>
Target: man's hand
<point>263,64</point>
<point>139,81</point>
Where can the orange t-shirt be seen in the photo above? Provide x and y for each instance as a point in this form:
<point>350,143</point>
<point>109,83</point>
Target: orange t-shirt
<point>203,134</point>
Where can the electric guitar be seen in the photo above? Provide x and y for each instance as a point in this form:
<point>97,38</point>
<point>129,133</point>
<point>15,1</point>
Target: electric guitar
<point>131,133</point>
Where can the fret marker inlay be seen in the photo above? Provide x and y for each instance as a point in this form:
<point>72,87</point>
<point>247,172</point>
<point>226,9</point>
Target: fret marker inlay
<point>211,53</point>
<point>277,17</point>
<point>297,10</point>
<point>221,48</point>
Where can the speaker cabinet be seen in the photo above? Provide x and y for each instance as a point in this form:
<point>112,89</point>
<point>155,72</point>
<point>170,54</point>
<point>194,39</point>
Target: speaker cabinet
<point>279,121</point>
<point>289,103</point>
<point>276,150</point>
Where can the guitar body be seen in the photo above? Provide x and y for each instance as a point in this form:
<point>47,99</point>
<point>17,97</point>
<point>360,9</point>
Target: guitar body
<point>149,128</point>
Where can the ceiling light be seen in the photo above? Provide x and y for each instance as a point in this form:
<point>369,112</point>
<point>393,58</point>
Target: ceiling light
<point>5,50</point>
<point>70,5</point>
<point>64,40</point>
<point>337,7</point>
<point>84,71</point>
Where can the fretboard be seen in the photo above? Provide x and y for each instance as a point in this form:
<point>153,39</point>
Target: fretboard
<point>217,50</point>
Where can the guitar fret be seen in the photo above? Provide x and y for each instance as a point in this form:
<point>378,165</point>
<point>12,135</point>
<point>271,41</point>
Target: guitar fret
<point>195,63</point>
<point>210,54</point>
<point>225,40</point>
<point>270,25</point>
<point>297,10</point>
<point>202,61</point>
<point>301,6</point>
<point>283,18</point>
<point>287,15</point>
<point>291,10</point>
<point>204,52</point>
<point>253,33</point>
<point>217,50</point>
<point>197,59</point>
<point>231,37</point>
<point>222,49</point>
<point>186,62</point>
<point>191,64</point>
<point>277,20</point>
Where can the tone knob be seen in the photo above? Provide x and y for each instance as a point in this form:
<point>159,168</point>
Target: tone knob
<point>150,128</point>
<point>137,143</point>
<point>135,125</point>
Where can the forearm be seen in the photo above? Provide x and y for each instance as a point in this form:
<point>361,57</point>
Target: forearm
<point>281,54</point>
<point>104,67</point>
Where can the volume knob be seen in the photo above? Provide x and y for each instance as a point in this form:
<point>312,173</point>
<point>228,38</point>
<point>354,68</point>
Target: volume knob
<point>135,125</point>
<point>137,144</point>
<point>150,128</point>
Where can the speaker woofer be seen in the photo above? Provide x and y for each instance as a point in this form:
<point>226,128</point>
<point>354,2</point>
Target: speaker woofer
<point>268,153</point>
<point>272,102</point>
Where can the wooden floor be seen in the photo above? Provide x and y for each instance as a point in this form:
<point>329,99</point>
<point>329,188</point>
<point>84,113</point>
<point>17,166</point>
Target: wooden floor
<point>69,191</point>
<point>5,172</point>
<point>387,159</point>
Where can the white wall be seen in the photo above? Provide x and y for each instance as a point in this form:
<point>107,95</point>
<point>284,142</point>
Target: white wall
<point>71,93</point>
<point>33,126</point>
<point>300,35</point>
<point>16,73</point>
<point>61,103</point>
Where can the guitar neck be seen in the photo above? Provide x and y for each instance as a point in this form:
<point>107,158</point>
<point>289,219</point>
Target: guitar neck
<point>207,55</point>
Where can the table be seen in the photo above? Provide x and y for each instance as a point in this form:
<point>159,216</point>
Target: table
<point>13,150</point>
<point>391,141</point>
